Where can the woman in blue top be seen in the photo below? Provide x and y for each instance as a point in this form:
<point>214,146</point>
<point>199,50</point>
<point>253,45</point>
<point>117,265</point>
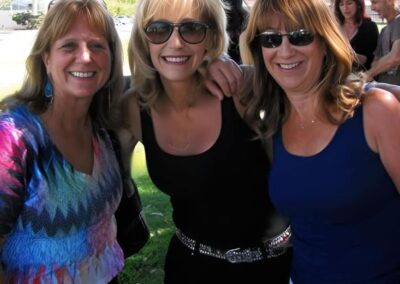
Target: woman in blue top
<point>59,178</point>
<point>336,157</point>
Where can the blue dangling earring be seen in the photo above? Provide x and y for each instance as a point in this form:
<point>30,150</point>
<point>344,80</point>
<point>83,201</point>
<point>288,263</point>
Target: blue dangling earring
<point>48,90</point>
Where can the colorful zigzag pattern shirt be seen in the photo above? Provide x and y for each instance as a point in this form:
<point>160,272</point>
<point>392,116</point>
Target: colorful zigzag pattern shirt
<point>57,223</point>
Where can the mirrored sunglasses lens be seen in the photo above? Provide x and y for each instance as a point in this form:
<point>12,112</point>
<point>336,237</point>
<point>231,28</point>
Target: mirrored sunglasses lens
<point>301,38</point>
<point>271,40</point>
<point>158,32</point>
<point>192,32</point>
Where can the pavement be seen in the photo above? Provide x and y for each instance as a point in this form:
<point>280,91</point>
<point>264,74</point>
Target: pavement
<point>15,46</point>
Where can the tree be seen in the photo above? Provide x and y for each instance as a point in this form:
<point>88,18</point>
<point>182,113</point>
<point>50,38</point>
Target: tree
<point>5,4</point>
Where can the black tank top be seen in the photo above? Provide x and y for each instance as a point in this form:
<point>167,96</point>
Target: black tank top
<point>220,196</point>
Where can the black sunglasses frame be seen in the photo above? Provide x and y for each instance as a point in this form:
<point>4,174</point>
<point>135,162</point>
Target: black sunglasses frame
<point>270,39</point>
<point>172,26</point>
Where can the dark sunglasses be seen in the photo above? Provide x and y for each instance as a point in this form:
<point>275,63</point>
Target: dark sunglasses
<point>271,39</point>
<point>191,32</point>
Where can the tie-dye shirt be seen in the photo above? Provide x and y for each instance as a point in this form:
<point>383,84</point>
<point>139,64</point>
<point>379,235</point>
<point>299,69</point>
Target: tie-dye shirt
<point>57,222</point>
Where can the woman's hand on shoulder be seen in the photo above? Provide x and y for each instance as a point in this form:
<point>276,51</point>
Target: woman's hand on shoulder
<point>382,129</point>
<point>223,77</point>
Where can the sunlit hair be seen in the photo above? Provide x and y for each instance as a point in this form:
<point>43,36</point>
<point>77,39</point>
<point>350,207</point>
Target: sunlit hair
<point>145,77</point>
<point>268,97</point>
<point>56,24</point>
<point>359,16</point>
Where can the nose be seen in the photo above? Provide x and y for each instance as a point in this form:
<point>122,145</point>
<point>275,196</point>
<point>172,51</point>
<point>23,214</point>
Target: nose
<point>175,39</point>
<point>83,53</point>
<point>286,48</point>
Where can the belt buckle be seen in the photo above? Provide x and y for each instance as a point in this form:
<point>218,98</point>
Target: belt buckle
<point>234,255</point>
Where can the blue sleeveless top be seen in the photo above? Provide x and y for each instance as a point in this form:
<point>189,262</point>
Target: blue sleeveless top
<point>344,210</point>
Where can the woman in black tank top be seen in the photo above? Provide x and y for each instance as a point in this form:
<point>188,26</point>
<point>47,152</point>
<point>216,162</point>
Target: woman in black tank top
<point>198,149</point>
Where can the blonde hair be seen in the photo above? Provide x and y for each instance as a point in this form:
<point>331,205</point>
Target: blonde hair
<point>57,22</point>
<point>267,97</point>
<point>145,78</point>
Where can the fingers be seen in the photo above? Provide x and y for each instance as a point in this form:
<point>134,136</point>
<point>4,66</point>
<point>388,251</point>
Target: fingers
<point>226,74</point>
<point>214,89</point>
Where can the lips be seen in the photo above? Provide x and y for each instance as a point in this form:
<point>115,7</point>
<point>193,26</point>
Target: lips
<point>176,59</point>
<point>83,74</point>
<point>289,66</point>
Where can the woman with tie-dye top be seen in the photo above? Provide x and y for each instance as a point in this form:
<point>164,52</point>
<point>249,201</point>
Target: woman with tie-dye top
<point>59,178</point>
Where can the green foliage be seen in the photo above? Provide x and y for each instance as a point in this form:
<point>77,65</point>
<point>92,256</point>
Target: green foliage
<point>28,20</point>
<point>121,7</point>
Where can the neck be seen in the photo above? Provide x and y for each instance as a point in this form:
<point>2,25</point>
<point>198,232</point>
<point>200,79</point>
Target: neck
<point>304,108</point>
<point>67,117</point>
<point>180,95</point>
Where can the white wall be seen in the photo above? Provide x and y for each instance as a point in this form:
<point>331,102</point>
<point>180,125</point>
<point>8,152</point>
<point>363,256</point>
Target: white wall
<point>6,22</point>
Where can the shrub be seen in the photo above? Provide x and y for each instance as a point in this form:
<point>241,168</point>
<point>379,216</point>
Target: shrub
<point>28,20</point>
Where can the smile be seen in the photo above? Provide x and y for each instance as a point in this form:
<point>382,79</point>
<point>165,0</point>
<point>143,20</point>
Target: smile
<point>176,59</point>
<point>289,66</point>
<point>83,74</point>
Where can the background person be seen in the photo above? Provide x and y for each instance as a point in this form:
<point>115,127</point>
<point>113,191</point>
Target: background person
<point>385,68</point>
<point>359,30</point>
<point>189,136</point>
<point>237,18</point>
<point>59,178</point>
<point>336,159</point>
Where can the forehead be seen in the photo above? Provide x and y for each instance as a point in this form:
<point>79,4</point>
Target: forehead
<point>175,10</point>
<point>278,22</point>
<point>80,27</point>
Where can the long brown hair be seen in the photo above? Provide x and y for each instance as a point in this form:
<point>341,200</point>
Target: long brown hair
<point>267,97</point>
<point>57,22</point>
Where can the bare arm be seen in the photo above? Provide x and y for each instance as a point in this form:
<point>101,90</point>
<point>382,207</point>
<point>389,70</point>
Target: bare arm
<point>129,133</point>
<point>386,62</point>
<point>382,120</point>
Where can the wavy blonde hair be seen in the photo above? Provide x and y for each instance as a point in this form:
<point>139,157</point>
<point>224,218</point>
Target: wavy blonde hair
<point>267,96</point>
<point>144,76</point>
<point>56,24</point>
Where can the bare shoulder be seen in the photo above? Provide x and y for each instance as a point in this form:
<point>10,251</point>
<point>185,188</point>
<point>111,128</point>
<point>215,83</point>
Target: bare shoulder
<point>379,100</point>
<point>381,116</point>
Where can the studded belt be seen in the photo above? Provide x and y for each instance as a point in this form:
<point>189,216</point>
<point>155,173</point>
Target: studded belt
<point>273,247</point>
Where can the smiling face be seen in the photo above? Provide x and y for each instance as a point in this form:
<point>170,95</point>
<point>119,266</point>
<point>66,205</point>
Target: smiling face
<point>175,59</point>
<point>79,62</point>
<point>295,68</point>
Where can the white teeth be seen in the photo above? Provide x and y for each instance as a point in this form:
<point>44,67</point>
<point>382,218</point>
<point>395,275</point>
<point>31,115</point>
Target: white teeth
<point>176,59</point>
<point>288,66</point>
<point>82,74</point>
